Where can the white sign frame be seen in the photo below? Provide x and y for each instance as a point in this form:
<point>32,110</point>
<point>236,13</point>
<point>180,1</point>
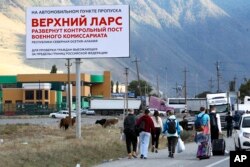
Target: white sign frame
<point>77,32</point>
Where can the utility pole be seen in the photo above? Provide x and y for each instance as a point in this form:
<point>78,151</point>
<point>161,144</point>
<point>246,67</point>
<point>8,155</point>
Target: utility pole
<point>139,83</point>
<point>176,89</point>
<point>218,76</point>
<point>211,84</point>
<point>157,86</point>
<point>235,86</point>
<point>126,89</point>
<point>166,81</point>
<point>185,85</point>
<point>69,87</point>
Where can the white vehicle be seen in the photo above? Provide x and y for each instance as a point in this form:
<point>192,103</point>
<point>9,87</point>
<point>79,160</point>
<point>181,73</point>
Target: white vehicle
<point>242,133</point>
<point>62,114</point>
<point>245,107</point>
<point>161,113</point>
<point>82,110</point>
<point>90,112</point>
<point>177,103</point>
<point>113,106</point>
<point>194,104</point>
<point>221,102</point>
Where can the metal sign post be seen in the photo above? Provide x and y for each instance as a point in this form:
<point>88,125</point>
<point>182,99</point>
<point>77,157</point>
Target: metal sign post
<point>78,99</point>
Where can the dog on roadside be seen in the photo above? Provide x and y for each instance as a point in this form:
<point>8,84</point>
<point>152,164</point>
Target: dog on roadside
<point>65,122</point>
<point>107,122</point>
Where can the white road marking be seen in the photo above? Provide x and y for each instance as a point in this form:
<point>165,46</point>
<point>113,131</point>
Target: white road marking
<point>216,163</point>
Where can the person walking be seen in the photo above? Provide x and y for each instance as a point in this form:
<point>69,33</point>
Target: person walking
<point>146,126</point>
<point>236,117</point>
<point>172,128</point>
<point>215,124</point>
<point>158,128</point>
<point>202,122</point>
<point>130,134</point>
<point>184,123</point>
<point>202,136</point>
<point>229,121</point>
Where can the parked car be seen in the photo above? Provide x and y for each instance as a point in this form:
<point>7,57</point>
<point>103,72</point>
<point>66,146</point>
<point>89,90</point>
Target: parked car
<point>62,114</point>
<point>90,112</point>
<point>82,110</point>
<point>242,133</point>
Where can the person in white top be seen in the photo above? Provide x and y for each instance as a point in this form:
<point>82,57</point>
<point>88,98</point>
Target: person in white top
<point>158,128</point>
<point>215,124</point>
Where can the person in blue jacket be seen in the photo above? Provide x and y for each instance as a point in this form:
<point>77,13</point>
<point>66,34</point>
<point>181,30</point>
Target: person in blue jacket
<point>172,129</point>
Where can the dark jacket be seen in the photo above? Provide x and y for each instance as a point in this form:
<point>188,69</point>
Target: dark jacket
<point>236,117</point>
<point>229,120</point>
<point>129,123</point>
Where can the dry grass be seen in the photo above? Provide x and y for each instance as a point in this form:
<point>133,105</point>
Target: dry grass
<point>40,146</point>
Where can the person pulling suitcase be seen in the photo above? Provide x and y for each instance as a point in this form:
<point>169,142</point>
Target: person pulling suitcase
<point>202,127</point>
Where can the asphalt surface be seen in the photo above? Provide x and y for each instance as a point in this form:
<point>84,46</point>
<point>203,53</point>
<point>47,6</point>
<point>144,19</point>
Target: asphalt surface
<point>184,159</point>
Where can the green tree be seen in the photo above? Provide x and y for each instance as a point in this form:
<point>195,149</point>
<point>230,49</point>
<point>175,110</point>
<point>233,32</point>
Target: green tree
<point>146,88</point>
<point>112,86</point>
<point>245,89</point>
<point>117,87</point>
<point>53,69</point>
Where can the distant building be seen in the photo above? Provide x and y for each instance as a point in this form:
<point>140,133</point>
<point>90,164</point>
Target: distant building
<point>47,91</point>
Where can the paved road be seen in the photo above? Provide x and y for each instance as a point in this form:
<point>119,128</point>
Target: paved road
<point>185,159</point>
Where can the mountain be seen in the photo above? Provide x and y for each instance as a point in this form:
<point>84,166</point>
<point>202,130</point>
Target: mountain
<point>167,36</point>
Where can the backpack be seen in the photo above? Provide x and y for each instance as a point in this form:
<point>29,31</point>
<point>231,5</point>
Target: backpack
<point>142,125</point>
<point>139,128</point>
<point>129,124</point>
<point>171,126</point>
<point>213,120</point>
<point>198,123</point>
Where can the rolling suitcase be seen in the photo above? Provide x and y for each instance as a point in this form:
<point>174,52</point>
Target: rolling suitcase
<point>218,146</point>
<point>203,151</point>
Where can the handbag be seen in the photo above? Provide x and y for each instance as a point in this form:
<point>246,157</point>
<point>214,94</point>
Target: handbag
<point>123,137</point>
<point>180,147</point>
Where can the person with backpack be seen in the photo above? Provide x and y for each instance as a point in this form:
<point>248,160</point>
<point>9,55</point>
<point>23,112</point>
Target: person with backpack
<point>158,128</point>
<point>215,124</point>
<point>130,134</point>
<point>202,135</point>
<point>172,128</point>
<point>202,122</point>
<point>146,127</point>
